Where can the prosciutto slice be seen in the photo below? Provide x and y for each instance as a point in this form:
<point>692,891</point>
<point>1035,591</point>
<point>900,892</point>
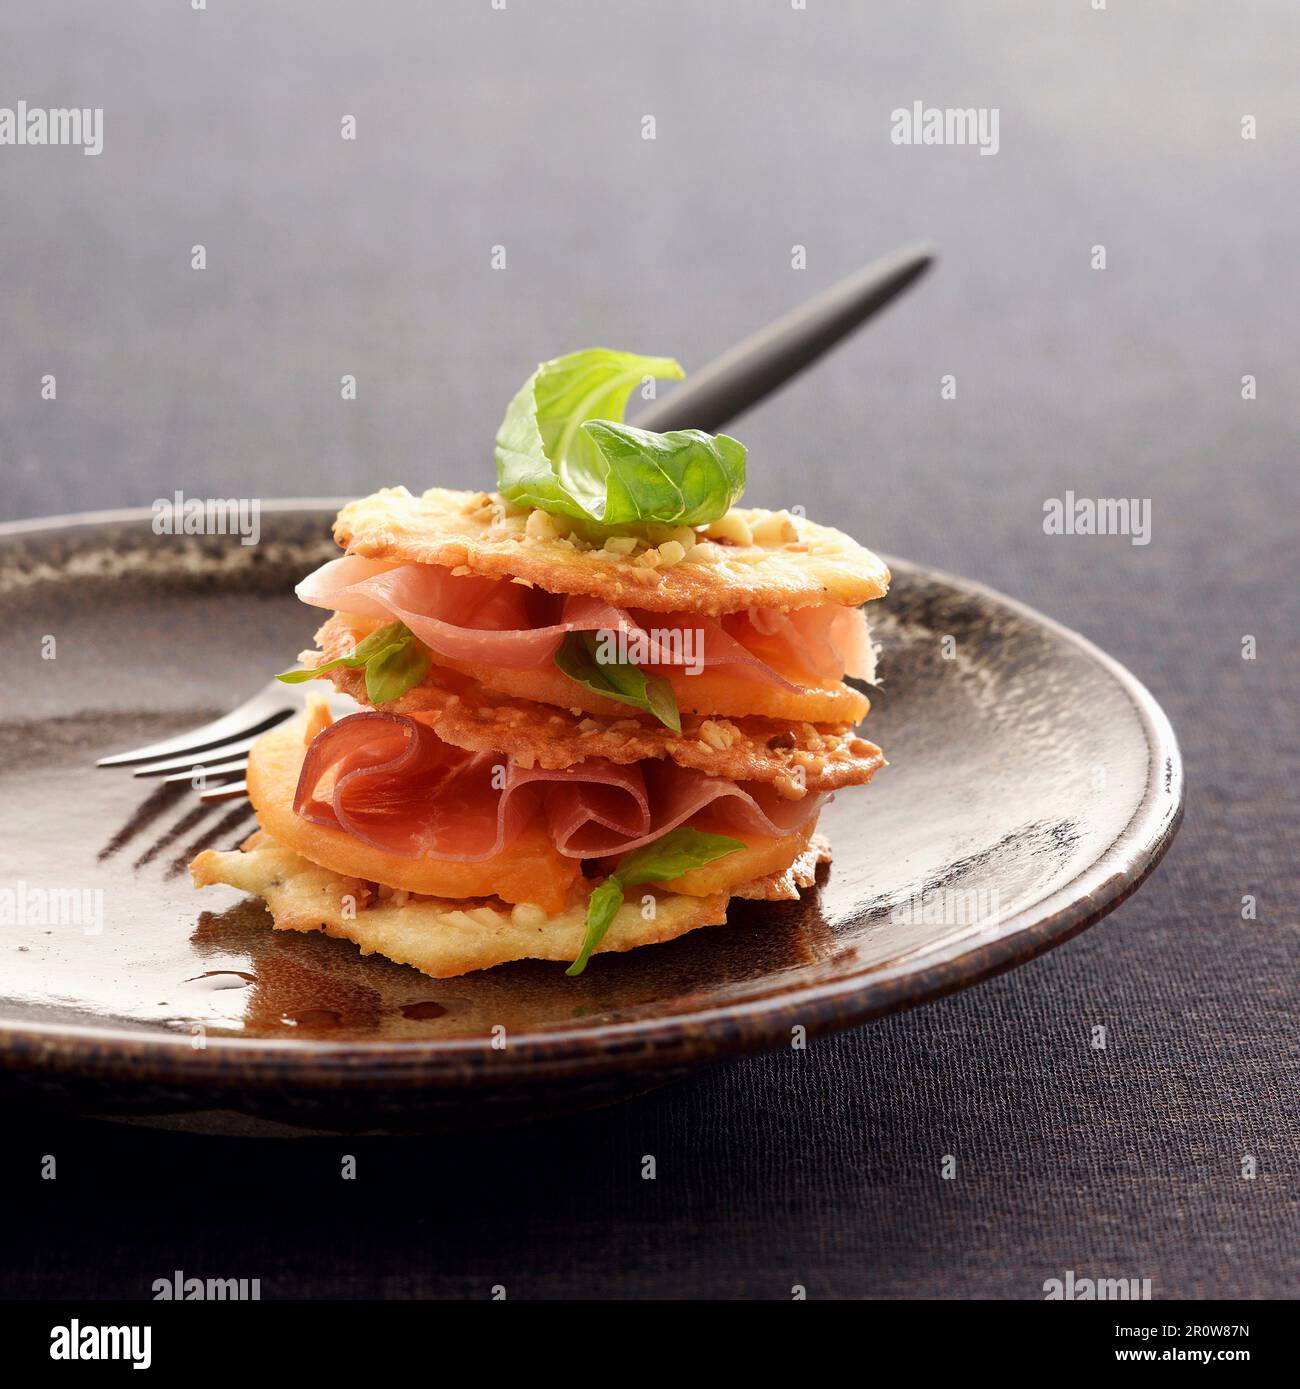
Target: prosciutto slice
<point>597,808</point>
<point>390,782</point>
<point>825,641</point>
<point>468,618</point>
<point>493,622</point>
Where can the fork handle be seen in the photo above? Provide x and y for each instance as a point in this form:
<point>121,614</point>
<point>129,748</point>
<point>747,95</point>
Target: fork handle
<point>766,360</point>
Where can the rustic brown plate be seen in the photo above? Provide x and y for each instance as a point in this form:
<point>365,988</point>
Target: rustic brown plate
<point>1033,784</point>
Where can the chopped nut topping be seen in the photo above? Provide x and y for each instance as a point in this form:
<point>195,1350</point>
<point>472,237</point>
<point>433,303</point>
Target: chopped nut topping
<point>704,552</point>
<point>730,529</point>
<point>777,529</point>
<point>718,735</point>
<point>541,526</point>
<point>791,787</point>
<point>527,915</point>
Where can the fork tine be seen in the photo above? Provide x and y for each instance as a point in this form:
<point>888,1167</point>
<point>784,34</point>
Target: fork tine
<point>197,759</point>
<point>269,706</point>
<point>238,765</point>
<point>225,793</point>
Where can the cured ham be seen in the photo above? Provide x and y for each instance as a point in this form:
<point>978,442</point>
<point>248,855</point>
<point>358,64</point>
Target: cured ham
<point>597,809</point>
<point>389,782</point>
<point>462,617</point>
<point>496,623</point>
<point>823,643</point>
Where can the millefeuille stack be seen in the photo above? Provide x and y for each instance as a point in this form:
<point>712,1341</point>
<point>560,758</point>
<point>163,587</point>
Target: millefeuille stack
<point>584,730</point>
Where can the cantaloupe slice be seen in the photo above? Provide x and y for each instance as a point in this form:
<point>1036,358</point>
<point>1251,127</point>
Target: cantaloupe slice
<point>529,870</point>
<point>715,690</point>
<point>761,856</point>
<point>723,689</point>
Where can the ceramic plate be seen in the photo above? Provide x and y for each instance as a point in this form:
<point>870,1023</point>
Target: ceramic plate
<point>1033,783</point>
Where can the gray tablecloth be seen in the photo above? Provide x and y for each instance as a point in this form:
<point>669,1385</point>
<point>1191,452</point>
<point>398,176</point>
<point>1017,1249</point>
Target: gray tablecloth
<point>522,129</point>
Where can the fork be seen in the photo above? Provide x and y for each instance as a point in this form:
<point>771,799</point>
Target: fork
<point>725,388</point>
<point>189,756</point>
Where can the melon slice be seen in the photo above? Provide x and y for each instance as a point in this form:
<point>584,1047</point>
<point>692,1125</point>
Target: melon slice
<point>528,870</point>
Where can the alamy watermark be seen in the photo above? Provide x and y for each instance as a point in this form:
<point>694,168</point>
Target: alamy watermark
<point>182,515</point>
<point>1071,515</point>
<point>919,124</point>
<point>73,1341</point>
<point>673,646</point>
<point>178,1288</point>
<point>1075,1289</point>
<point>949,906</point>
<point>21,124</point>
<point>21,904</point>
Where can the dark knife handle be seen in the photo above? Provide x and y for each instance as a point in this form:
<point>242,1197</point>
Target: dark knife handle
<point>765,361</point>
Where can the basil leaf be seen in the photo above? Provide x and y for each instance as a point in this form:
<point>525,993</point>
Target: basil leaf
<point>562,448</point>
<point>602,908</point>
<point>682,478</point>
<point>577,657</point>
<point>392,658</point>
<point>673,854</point>
<point>296,677</point>
<point>395,669</point>
<point>668,857</point>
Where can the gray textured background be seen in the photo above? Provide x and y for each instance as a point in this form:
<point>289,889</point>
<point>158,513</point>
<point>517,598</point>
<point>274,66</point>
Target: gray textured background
<point>523,128</point>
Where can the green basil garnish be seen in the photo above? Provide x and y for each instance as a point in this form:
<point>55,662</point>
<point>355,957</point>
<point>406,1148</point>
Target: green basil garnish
<point>668,857</point>
<point>563,448</point>
<point>620,680</point>
<point>393,659</point>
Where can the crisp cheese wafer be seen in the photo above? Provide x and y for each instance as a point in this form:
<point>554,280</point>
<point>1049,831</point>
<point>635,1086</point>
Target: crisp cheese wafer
<point>753,562</point>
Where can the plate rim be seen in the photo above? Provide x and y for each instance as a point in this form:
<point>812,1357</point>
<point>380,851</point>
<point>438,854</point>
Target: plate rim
<point>561,1052</point>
